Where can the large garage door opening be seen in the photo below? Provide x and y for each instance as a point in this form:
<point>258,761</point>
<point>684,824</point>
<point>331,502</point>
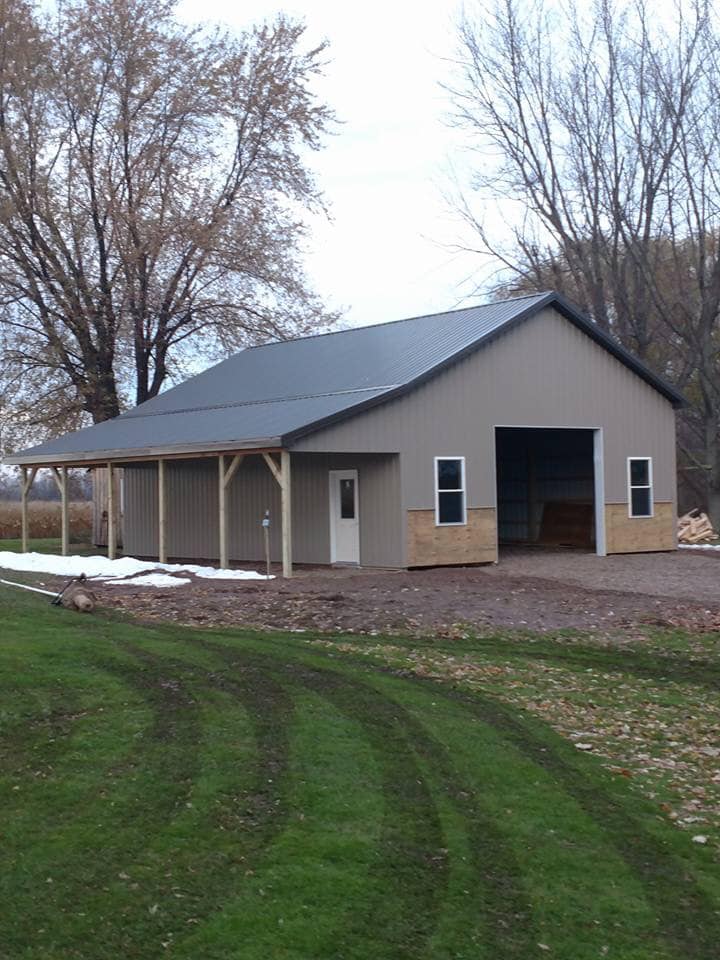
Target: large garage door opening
<point>546,487</point>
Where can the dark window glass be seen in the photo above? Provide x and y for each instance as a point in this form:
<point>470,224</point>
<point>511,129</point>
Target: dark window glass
<point>450,507</point>
<point>347,499</point>
<point>639,473</point>
<point>640,502</point>
<point>449,474</point>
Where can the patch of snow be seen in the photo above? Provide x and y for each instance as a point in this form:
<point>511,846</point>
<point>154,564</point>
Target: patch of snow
<point>214,573</point>
<point>100,568</point>
<point>699,546</point>
<point>151,580</point>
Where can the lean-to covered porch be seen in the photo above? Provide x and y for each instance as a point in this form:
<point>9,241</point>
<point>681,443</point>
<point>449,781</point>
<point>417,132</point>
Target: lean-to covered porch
<point>322,508</point>
<point>161,523</point>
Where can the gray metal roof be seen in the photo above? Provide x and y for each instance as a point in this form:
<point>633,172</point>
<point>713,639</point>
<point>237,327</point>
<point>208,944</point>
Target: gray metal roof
<point>271,394</point>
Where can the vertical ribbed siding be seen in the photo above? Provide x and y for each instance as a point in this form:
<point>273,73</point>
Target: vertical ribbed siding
<point>141,510</point>
<point>253,491</point>
<point>545,372</point>
<point>192,507</point>
<point>192,487</point>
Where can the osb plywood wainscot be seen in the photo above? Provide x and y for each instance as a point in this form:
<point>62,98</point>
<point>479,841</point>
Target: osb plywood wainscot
<point>473,542</point>
<point>637,534</point>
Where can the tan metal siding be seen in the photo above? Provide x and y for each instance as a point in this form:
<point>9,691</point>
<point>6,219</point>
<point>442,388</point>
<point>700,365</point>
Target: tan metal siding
<point>141,510</point>
<point>545,372</point>
<point>192,508</point>
<point>192,489</point>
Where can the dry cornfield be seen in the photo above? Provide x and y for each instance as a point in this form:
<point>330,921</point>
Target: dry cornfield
<point>45,519</point>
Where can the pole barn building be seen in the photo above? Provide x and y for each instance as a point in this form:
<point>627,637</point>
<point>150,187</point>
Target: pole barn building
<point>422,442</point>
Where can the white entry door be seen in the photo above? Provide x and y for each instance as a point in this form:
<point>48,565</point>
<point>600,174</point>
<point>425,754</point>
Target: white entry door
<point>344,517</point>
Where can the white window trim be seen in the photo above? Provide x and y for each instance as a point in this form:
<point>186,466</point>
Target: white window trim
<point>462,489</point>
<point>640,486</point>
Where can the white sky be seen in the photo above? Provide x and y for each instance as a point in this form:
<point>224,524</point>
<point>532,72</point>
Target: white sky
<point>385,254</point>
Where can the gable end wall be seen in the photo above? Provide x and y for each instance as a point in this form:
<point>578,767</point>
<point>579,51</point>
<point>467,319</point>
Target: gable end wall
<point>545,372</point>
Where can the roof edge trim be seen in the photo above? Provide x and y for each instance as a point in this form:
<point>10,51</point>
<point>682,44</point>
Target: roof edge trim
<point>139,454</point>
<point>551,299</point>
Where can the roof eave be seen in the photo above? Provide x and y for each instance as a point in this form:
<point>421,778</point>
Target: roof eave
<point>139,454</point>
<point>656,381</point>
<point>551,299</point>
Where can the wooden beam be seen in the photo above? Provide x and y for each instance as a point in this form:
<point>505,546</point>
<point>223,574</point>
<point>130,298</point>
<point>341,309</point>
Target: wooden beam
<point>65,513</point>
<point>162,513</point>
<point>286,512</point>
<point>111,527</point>
<point>225,475</point>
<point>282,475</point>
<point>233,468</point>
<point>56,477</point>
<point>28,476</point>
<point>60,477</point>
<point>24,509</point>
<point>274,469</point>
<point>222,514</point>
<point>152,456</point>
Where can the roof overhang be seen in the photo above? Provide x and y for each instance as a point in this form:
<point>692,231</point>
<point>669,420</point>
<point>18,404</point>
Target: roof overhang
<point>178,452</point>
<point>555,300</point>
<point>584,323</point>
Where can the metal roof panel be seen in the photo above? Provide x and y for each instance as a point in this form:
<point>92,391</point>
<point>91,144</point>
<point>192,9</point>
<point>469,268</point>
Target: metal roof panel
<point>289,388</point>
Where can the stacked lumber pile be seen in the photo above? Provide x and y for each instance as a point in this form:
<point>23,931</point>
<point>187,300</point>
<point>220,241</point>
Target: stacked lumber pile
<point>695,527</point>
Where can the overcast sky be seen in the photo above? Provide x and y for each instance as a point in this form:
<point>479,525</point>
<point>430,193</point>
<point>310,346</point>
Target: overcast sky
<point>385,254</point>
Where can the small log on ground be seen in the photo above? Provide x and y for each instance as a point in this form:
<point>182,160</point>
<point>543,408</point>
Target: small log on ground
<point>79,597</point>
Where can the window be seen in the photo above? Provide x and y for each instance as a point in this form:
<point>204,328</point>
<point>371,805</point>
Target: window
<point>449,490</point>
<point>347,499</point>
<point>640,492</point>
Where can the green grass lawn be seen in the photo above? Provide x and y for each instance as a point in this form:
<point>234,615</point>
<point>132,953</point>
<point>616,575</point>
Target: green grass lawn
<point>201,795</point>
<point>51,545</point>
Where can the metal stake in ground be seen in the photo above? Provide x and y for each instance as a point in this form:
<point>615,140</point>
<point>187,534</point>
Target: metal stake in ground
<point>266,535</point>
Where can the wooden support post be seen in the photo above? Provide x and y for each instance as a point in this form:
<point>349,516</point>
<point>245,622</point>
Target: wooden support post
<point>65,513</point>
<point>222,514</point>
<point>225,476</point>
<point>162,513</point>
<point>111,526</point>
<point>286,511</point>
<point>24,509</point>
<point>25,484</point>
<point>27,481</point>
<point>61,481</point>
<point>282,475</point>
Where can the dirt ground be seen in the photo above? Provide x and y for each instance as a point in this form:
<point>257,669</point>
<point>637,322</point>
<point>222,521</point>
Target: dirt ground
<point>529,589</point>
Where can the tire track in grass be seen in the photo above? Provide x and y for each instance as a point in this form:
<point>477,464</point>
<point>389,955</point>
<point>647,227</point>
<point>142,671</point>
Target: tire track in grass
<point>243,830</point>
<point>652,666</point>
<point>507,928</point>
<point>270,710</point>
<point>171,690</point>
<point>112,828</point>
<point>41,737</point>
<point>688,918</point>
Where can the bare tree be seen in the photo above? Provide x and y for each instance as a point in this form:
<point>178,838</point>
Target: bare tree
<point>153,187</point>
<point>604,129</point>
